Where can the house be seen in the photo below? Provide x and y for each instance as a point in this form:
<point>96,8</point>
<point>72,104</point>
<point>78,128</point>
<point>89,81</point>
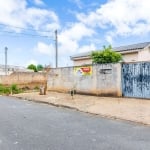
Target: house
<point>130,53</point>
<point>10,69</point>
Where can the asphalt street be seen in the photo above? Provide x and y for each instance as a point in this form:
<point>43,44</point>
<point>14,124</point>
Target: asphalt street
<point>27,125</point>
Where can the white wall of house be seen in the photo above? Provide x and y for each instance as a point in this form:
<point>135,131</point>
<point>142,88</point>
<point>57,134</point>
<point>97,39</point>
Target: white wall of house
<point>82,62</point>
<point>11,69</point>
<point>144,55</point>
<point>2,72</point>
<point>130,57</point>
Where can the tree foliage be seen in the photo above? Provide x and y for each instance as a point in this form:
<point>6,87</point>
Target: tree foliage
<point>39,67</point>
<point>32,67</point>
<point>107,55</point>
<point>35,68</point>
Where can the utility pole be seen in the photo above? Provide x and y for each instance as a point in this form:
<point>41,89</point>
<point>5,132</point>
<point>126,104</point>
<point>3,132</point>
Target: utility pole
<point>6,49</point>
<point>56,49</point>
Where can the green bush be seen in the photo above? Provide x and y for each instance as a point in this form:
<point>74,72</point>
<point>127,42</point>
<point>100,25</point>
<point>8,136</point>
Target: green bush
<point>4,90</point>
<point>107,55</point>
<point>36,88</point>
<point>7,90</point>
<point>15,89</point>
<point>1,89</point>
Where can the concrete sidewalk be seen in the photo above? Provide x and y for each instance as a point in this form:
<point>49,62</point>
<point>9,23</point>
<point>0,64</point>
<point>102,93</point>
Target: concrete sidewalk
<point>137,110</point>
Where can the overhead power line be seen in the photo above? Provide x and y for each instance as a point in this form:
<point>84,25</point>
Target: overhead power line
<point>26,34</point>
<point>24,28</point>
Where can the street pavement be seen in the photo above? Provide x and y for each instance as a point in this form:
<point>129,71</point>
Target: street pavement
<point>26,125</point>
<point>136,110</point>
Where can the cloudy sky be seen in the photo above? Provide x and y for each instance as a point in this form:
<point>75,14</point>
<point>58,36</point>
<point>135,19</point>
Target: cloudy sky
<point>27,28</point>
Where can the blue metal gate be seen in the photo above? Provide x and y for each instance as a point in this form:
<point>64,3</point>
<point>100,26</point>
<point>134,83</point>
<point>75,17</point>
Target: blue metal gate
<point>136,80</point>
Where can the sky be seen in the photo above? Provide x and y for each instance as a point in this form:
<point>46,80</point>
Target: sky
<point>27,28</point>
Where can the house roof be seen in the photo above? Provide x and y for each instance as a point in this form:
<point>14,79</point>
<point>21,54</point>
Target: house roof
<point>131,48</point>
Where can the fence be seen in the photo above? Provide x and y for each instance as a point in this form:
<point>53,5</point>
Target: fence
<point>128,80</point>
<point>102,80</point>
<point>25,79</point>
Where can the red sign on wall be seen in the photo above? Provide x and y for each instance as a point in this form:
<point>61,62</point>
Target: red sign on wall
<point>85,70</point>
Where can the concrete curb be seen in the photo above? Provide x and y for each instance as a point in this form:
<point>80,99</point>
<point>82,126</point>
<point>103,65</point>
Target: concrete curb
<point>77,109</point>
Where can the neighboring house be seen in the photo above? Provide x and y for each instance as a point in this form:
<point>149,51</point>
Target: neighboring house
<point>130,53</point>
<point>11,69</point>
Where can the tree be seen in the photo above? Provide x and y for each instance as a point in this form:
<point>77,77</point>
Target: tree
<point>107,55</point>
<point>32,67</point>
<point>39,67</point>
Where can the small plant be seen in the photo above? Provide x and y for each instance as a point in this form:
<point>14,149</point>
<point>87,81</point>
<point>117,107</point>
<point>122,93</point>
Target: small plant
<point>7,90</point>
<point>4,90</point>
<point>36,88</point>
<point>1,89</point>
<point>15,89</point>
